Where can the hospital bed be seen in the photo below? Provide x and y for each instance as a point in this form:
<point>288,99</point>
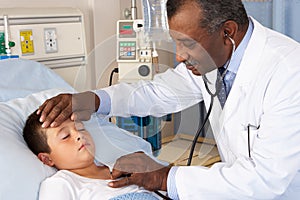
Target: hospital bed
<point>24,86</point>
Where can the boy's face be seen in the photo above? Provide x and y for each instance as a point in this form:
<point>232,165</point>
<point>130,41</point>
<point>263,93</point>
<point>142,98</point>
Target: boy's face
<point>71,146</point>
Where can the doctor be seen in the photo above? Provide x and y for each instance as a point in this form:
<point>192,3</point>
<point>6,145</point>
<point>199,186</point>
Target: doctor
<point>258,129</point>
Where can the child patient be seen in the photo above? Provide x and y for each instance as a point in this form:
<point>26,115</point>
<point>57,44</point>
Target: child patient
<point>70,149</point>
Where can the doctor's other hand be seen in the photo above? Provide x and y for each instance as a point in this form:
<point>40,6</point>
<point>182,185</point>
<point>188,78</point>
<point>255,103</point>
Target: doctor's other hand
<point>79,106</point>
<point>141,170</point>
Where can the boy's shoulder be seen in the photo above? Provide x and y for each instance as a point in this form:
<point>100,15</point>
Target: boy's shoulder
<point>71,178</point>
<point>65,175</point>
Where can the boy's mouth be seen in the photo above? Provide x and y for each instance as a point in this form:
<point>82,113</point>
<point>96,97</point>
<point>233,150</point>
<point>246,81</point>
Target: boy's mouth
<point>81,147</point>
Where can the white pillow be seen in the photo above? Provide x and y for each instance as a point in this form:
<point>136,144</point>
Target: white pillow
<point>20,170</point>
<point>20,77</point>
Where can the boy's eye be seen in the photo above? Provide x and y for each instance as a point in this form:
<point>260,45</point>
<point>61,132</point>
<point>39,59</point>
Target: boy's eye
<point>65,137</point>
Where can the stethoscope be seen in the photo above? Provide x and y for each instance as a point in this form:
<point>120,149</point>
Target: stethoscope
<point>212,95</point>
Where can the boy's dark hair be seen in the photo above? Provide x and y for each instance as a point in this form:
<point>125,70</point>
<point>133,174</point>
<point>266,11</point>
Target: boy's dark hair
<point>35,136</point>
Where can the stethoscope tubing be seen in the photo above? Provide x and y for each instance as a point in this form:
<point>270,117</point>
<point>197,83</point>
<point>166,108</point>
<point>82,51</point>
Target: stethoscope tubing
<point>212,95</point>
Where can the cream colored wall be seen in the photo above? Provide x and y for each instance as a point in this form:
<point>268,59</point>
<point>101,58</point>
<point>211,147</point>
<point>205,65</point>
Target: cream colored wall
<point>81,4</point>
<point>105,15</point>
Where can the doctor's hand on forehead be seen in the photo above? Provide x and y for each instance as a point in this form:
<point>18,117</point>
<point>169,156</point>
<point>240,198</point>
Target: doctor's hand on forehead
<point>139,169</point>
<point>56,110</point>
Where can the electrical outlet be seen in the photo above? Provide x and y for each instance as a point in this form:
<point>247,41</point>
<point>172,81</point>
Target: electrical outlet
<point>50,40</point>
<point>26,40</point>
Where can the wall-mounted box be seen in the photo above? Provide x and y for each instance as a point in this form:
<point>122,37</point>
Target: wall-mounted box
<point>52,36</point>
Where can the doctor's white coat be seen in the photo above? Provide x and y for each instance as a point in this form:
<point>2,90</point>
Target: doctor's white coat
<point>265,95</point>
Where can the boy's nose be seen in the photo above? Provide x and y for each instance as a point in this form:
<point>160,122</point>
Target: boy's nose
<point>79,136</point>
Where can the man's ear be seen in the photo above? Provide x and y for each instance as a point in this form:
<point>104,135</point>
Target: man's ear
<point>45,158</point>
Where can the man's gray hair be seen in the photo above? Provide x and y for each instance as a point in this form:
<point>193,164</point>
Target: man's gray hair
<point>215,12</point>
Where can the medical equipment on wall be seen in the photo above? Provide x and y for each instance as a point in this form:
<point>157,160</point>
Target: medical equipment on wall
<point>147,127</point>
<point>54,37</point>
<point>134,55</point>
<point>135,63</point>
<point>137,59</point>
<point>5,43</point>
<point>136,41</point>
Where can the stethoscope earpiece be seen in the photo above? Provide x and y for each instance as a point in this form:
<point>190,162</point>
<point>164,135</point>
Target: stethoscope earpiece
<point>231,40</point>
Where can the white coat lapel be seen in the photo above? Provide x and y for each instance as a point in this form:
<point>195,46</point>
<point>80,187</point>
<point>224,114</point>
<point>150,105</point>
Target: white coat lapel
<point>247,71</point>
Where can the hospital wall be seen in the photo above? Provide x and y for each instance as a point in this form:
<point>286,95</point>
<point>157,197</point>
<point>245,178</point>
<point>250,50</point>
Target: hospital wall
<point>100,17</point>
<point>106,12</point>
<point>83,5</point>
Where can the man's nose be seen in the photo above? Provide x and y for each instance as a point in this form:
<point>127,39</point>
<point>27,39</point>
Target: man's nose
<point>181,56</point>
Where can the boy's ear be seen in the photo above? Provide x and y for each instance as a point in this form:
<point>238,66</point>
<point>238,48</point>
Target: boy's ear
<point>45,158</point>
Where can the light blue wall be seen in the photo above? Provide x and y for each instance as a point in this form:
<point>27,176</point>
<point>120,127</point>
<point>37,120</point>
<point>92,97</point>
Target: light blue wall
<point>261,11</point>
<point>292,18</point>
<point>280,15</point>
